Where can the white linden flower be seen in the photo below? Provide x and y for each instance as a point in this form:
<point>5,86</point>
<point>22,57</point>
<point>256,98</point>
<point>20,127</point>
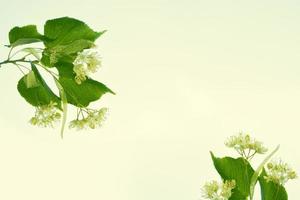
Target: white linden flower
<point>80,72</point>
<point>279,172</point>
<point>78,124</point>
<point>218,191</point>
<point>86,62</point>
<point>94,119</point>
<point>245,145</point>
<point>46,115</point>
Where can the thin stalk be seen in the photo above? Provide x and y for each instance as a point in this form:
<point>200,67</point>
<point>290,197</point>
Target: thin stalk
<point>258,171</point>
<point>81,113</point>
<point>22,66</point>
<point>51,72</point>
<point>20,69</point>
<point>8,57</point>
<point>16,52</point>
<point>15,61</point>
<point>77,113</point>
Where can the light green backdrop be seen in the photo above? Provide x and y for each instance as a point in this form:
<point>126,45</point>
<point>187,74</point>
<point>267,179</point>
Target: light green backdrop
<point>187,75</point>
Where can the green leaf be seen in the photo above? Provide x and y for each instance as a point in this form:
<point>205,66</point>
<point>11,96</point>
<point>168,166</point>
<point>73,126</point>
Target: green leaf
<point>65,37</point>
<point>66,30</point>
<point>271,190</point>
<point>38,95</point>
<point>239,170</point>
<point>65,69</point>
<point>24,35</point>
<point>237,195</point>
<point>83,94</point>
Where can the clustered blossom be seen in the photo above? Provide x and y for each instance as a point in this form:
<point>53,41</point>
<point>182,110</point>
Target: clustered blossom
<point>218,191</point>
<point>46,115</point>
<point>86,62</point>
<point>279,172</point>
<point>95,118</point>
<point>245,145</point>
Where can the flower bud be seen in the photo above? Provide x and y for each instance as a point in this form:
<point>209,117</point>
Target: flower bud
<point>279,172</point>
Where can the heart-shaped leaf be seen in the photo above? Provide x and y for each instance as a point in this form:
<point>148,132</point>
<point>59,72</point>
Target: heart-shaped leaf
<point>24,35</point>
<point>239,170</point>
<point>83,94</point>
<point>36,92</point>
<point>65,37</point>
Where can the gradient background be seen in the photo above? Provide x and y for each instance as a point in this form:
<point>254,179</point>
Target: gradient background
<point>187,74</point>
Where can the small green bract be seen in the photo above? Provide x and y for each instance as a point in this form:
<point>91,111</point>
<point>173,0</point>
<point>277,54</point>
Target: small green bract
<point>68,55</point>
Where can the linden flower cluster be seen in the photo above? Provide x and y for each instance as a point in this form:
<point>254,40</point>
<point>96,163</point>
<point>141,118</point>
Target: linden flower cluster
<point>95,118</point>
<point>86,62</point>
<point>46,115</point>
<point>246,146</point>
<point>218,191</point>
<point>279,172</point>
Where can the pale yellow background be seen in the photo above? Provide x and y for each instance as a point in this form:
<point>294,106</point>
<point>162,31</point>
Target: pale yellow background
<point>187,75</point>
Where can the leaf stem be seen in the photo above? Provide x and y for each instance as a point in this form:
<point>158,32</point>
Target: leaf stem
<point>20,69</point>
<point>16,52</point>
<point>22,66</point>
<point>49,71</point>
<point>8,57</point>
<point>15,61</point>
